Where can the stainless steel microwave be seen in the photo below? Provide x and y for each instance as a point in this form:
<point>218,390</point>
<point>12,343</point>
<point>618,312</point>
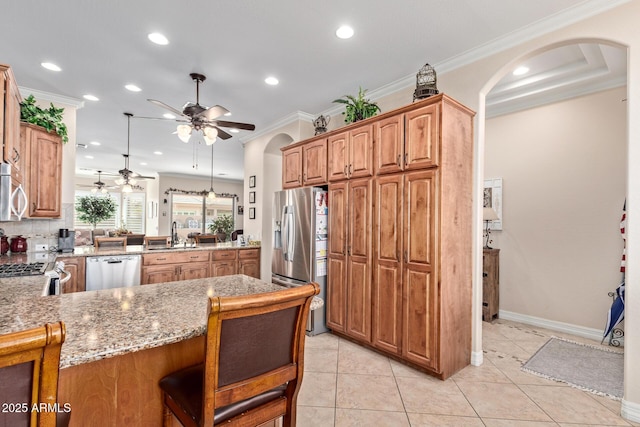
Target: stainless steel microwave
<point>13,202</point>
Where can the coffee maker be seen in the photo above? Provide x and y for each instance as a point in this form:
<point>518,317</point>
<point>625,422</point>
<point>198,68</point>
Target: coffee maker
<point>66,240</point>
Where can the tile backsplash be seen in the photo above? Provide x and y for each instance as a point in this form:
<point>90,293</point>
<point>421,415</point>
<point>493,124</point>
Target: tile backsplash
<point>40,231</point>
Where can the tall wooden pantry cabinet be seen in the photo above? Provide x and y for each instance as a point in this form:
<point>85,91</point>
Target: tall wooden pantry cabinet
<point>399,271</point>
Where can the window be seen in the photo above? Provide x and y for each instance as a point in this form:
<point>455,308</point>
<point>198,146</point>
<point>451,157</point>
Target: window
<point>194,213</point>
<point>130,212</point>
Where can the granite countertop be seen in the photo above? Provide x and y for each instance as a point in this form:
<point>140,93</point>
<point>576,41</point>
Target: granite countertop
<point>112,322</point>
<point>139,249</point>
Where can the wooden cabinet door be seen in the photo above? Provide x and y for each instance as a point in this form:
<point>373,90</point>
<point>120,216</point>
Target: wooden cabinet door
<point>75,266</point>
<point>159,274</point>
<point>421,303</point>
<point>361,152</point>
<point>249,267</point>
<point>337,268</point>
<point>337,146</point>
<point>387,264</point>
<point>389,157</point>
<point>359,260</point>
<point>194,270</point>
<point>314,163</point>
<point>45,177</point>
<point>292,167</point>
<point>223,268</point>
<point>13,150</point>
<point>422,133</point>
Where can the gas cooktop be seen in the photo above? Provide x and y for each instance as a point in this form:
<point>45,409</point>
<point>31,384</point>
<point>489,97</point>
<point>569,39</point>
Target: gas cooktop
<point>26,269</point>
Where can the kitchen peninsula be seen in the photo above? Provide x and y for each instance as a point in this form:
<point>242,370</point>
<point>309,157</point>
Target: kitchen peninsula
<point>120,342</point>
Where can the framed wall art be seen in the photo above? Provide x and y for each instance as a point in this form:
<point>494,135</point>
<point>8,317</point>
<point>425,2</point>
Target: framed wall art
<point>252,196</point>
<point>252,213</point>
<point>252,181</point>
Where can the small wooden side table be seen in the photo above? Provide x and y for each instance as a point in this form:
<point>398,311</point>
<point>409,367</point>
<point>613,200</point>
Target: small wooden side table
<point>490,284</point>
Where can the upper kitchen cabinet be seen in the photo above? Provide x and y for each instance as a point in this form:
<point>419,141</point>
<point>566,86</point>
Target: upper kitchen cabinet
<point>351,153</point>
<point>408,141</point>
<point>304,165</point>
<point>12,152</point>
<point>44,163</point>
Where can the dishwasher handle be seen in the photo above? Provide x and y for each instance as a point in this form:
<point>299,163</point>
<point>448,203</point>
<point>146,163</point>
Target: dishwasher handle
<point>114,261</point>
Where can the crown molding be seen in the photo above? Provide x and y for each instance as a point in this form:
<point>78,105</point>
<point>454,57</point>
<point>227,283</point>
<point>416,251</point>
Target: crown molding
<point>298,116</point>
<point>555,22</point>
<point>51,97</point>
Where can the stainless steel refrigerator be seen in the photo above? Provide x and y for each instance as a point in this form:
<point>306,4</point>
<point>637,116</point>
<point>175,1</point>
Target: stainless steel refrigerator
<point>300,244</point>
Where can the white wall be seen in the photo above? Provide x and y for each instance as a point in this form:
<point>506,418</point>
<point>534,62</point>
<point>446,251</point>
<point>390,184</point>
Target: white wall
<point>564,183</point>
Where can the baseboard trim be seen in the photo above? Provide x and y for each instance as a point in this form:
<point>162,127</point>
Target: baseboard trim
<point>581,331</point>
<point>630,411</point>
<point>477,358</point>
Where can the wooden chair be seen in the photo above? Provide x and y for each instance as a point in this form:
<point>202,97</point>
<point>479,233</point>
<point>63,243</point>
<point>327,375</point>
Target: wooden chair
<point>206,238</point>
<point>135,239</point>
<point>254,356</point>
<point>29,364</point>
<point>98,232</point>
<point>110,242</point>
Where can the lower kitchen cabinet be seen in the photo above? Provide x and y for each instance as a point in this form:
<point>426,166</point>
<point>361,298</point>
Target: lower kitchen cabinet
<point>249,262</point>
<point>224,262</point>
<point>75,266</point>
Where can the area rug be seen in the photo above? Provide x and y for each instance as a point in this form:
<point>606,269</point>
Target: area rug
<point>583,366</point>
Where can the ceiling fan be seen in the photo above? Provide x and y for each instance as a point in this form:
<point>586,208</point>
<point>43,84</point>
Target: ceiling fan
<point>98,186</point>
<point>202,118</point>
<point>127,176</point>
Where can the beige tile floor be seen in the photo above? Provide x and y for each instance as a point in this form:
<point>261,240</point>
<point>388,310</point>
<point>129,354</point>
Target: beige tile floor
<point>347,385</point>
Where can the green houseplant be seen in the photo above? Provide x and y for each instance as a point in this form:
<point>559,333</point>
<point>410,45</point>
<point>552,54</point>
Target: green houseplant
<point>94,209</point>
<point>222,226</point>
<point>50,119</point>
<point>357,108</point>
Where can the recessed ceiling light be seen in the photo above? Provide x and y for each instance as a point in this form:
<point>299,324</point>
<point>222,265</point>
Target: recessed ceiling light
<point>158,38</point>
<point>234,130</point>
<point>168,116</point>
<point>132,88</point>
<point>271,81</point>
<point>143,163</point>
<point>159,153</point>
<point>344,32</point>
<point>51,66</point>
<point>88,157</point>
<point>223,174</point>
<point>90,97</point>
<point>228,113</point>
<point>94,143</point>
<point>520,71</point>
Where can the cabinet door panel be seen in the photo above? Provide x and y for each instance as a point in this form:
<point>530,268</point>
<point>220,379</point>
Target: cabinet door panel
<point>420,318</point>
<point>194,270</point>
<point>389,156</point>
<point>336,293</point>
<point>338,157</point>
<point>359,298</point>
<point>45,178</point>
<point>249,267</point>
<point>314,163</point>
<point>359,218</point>
<point>223,268</point>
<point>75,266</point>
<point>420,202</point>
<point>387,282</point>
<point>422,137</point>
<point>338,219</point>
<point>159,274</point>
<point>361,152</point>
<point>292,167</point>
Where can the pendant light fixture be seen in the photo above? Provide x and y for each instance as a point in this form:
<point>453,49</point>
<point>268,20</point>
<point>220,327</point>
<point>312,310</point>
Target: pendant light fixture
<point>126,175</point>
<point>212,194</point>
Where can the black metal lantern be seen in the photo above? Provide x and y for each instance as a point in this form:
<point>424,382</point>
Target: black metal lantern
<point>425,83</point>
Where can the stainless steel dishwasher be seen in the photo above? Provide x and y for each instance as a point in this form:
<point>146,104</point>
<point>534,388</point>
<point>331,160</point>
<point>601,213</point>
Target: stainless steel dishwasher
<point>108,272</point>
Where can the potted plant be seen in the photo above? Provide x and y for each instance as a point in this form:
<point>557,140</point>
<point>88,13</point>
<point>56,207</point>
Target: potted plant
<point>358,108</point>
<point>222,226</point>
<point>94,209</point>
<point>50,119</point>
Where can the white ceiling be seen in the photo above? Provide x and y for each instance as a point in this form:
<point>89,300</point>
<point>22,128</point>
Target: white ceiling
<point>101,46</point>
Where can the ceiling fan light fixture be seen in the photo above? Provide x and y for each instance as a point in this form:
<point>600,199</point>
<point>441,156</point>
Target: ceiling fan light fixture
<point>184,132</point>
<point>94,190</point>
<point>158,38</point>
<point>127,188</point>
<point>210,135</point>
<point>132,181</point>
<point>119,181</point>
<point>211,195</point>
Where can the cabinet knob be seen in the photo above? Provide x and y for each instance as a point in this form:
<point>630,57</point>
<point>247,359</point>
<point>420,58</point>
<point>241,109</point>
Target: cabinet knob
<point>406,159</point>
<point>399,159</point>
<point>16,155</point>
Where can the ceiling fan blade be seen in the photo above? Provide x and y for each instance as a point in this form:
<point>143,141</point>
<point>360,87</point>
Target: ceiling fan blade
<point>236,125</point>
<point>165,106</point>
<point>213,112</point>
<point>222,134</point>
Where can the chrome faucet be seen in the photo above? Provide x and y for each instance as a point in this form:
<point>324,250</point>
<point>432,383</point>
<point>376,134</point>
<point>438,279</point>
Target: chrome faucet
<point>174,233</point>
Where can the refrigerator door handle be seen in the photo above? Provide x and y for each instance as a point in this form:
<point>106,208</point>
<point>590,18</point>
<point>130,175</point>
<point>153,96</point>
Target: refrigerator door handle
<point>288,282</point>
<point>288,236</point>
